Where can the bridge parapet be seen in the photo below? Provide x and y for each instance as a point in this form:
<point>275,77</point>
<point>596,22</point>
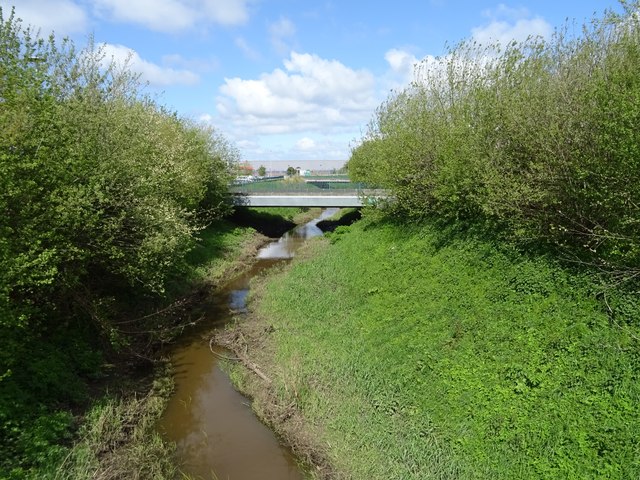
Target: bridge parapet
<point>299,185</point>
<point>305,192</point>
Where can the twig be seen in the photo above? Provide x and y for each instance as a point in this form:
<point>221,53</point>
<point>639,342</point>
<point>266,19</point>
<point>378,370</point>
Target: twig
<point>174,305</point>
<point>245,361</point>
<point>220,356</point>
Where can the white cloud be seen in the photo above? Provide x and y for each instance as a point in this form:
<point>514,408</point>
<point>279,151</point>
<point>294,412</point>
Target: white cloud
<point>206,118</point>
<point>309,94</point>
<point>402,66</point>
<point>509,24</point>
<point>175,15</point>
<point>509,13</point>
<point>227,12</point>
<point>62,16</point>
<point>278,151</point>
<point>280,32</point>
<point>309,109</point>
<point>282,28</point>
<point>305,144</point>
<point>504,33</point>
<point>165,15</point>
<point>156,75</point>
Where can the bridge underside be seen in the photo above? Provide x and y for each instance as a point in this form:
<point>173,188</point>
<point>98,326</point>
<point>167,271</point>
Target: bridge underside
<point>324,201</point>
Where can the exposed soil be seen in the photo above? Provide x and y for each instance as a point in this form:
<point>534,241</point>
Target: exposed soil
<point>248,338</point>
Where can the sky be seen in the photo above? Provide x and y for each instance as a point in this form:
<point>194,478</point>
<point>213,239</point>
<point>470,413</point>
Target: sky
<point>289,82</point>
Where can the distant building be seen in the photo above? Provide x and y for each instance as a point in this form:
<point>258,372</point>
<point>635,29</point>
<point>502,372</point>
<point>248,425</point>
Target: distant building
<point>244,169</point>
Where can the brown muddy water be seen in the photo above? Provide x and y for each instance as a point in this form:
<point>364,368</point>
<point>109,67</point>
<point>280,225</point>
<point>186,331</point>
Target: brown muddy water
<point>216,433</point>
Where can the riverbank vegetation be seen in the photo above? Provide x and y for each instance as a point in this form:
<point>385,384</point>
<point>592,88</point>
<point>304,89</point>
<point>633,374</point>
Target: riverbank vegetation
<point>432,351</point>
<point>537,138</point>
<point>273,221</point>
<point>485,324</point>
<point>103,193</point>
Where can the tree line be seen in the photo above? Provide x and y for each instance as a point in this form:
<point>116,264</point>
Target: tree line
<point>102,191</point>
<point>538,139</point>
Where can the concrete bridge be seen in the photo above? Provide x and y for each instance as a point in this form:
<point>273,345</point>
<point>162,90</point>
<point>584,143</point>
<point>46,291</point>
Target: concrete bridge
<point>253,200</point>
<point>305,192</point>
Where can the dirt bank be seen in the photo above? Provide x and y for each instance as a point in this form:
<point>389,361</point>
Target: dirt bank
<point>248,338</point>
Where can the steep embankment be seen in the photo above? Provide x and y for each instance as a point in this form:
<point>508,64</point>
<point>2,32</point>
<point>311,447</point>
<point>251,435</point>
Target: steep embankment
<point>118,436</point>
<point>420,352</point>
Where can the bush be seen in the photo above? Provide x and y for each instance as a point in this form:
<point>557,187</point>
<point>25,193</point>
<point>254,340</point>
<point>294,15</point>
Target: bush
<point>101,193</point>
<point>539,138</point>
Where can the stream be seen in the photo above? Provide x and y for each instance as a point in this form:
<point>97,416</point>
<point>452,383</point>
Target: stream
<point>215,430</point>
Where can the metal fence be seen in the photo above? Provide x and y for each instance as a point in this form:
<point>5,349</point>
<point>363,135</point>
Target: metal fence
<point>299,185</point>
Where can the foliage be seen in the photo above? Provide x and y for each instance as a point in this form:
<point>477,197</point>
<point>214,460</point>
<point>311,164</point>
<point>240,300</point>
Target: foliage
<point>262,171</point>
<point>218,248</point>
<point>119,439</point>
<point>539,138</point>
<point>453,356</point>
<point>101,194</point>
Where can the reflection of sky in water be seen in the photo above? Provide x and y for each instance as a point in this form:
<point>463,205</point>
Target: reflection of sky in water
<point>238,299</point>
<point>286,246</point>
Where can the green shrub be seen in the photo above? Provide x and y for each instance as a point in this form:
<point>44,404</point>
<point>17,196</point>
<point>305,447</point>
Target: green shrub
<point>539,138</point>
<point>102,191</point>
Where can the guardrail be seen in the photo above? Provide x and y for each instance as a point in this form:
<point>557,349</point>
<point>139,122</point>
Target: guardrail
<point>284,187</point>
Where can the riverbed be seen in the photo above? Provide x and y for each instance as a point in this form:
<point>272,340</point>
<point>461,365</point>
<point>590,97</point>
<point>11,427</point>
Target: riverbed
<point>217,435</point>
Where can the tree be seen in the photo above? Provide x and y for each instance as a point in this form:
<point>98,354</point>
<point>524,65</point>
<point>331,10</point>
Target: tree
<point>291,171</point>
<point>262,171</point>
<point>101,192</point>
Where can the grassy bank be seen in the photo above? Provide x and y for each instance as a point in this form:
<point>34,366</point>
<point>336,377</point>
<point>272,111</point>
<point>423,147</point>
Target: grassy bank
<point>118,438</point>
<point>222,249</point>
<point>112,433</point>
<point>273,221</point>
<point>422,352</point>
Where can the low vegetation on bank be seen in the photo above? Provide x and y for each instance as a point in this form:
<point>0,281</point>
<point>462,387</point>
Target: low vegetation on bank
<point>273,221</point>
<point>432,352</point>
<point>118,438</point>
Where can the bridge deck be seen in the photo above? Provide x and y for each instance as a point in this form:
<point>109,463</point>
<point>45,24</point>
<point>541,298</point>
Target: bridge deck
<point>298,200</point>
<point>308,192</point>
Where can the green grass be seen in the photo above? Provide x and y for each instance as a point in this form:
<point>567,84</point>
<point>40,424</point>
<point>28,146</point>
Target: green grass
<point>421,353</point>
<point>290,214</point>
<point>119,440</point>
<point>218,247</point>
<point>273,221</point>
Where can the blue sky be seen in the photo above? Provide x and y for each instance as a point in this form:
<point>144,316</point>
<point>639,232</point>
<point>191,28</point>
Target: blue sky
<point>289,81</point>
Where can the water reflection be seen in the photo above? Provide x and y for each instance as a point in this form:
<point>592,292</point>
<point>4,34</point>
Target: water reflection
<point>286,246</point>
<point>216,433</point>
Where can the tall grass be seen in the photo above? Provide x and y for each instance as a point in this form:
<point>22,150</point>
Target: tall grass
<point>427,352</point>
<point>119,440</point>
